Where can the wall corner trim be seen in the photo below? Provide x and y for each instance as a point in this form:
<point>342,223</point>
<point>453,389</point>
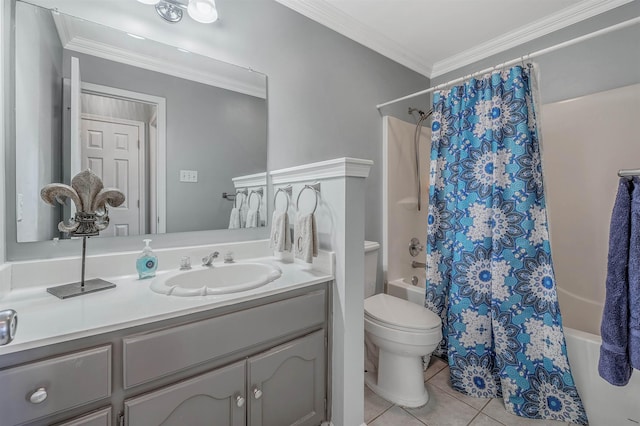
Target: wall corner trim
<point>336,168</point>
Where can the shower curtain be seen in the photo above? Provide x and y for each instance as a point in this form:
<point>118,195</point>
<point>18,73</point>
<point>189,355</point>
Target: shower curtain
<point>489,270</point>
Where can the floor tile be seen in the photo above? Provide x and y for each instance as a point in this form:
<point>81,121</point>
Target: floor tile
<point>496,410</point>
<point>373,405</point>
<point>443,382</point>
<point>396,416</point>
<point>443,410</point>
<point>484,420</point>
<point>435,365</point>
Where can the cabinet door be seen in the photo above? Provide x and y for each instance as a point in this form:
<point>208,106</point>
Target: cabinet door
<point>215,398</point>
<point>98,418</point>
<point>287,385</point>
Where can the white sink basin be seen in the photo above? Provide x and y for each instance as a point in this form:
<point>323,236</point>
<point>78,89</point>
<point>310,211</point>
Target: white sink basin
<point>222,279</point>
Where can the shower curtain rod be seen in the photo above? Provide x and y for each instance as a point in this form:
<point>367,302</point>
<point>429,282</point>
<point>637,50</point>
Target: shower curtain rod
<point>537,53</point>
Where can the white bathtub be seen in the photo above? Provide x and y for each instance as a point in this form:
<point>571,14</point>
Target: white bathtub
<point>606,405</point>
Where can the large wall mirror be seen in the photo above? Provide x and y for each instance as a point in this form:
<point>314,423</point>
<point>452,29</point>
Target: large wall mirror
<point>171,129</point>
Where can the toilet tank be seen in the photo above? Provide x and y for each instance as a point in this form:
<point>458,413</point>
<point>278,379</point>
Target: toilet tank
<point>371,250</point>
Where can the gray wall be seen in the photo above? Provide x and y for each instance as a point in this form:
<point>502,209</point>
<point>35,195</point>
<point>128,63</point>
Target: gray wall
<point>220,133</point>
<point>323,89</point>
<point>38,91</point>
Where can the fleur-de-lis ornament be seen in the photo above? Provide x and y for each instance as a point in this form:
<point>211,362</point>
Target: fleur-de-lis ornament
<point>91,199</point>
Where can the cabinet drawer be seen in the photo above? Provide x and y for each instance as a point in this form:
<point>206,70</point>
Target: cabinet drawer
<point>66,381</point>
<point>98,418</point>
<point>150,356</point>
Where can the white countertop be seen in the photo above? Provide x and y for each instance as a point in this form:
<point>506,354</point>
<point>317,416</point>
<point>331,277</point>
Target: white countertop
<point>44,319</point>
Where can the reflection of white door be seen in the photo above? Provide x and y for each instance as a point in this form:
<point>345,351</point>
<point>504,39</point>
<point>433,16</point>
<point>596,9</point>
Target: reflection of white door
<point>112,151</point>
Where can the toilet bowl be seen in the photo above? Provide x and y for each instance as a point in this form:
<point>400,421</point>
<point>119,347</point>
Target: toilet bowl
<point>402,332</point>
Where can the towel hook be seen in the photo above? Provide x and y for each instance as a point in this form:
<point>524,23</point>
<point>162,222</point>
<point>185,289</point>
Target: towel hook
<point>288,192</point>
<point>316,190</point>
<point>259,192</point>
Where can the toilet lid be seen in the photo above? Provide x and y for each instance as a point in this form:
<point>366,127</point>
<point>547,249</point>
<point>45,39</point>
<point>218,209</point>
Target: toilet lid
<point>400,313</point>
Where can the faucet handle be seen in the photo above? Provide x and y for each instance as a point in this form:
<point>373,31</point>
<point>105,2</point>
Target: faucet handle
<point>228,257</point>
<point>185,262</point>
<point>415,247</point>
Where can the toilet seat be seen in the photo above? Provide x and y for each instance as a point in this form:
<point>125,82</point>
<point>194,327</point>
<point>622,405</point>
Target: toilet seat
<point>398,314</point>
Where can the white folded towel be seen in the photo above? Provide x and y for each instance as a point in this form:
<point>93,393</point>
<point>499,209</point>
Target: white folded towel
<point>280,239</point>
<point>305,237</point>
<point>244,210</point>
<point>234,219</point>
<point>253,218</point>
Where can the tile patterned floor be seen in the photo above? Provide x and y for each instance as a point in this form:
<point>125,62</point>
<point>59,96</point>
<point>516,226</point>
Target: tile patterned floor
<point>446,407</point>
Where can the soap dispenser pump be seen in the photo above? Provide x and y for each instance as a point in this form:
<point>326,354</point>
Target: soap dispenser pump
<point>147,262</point>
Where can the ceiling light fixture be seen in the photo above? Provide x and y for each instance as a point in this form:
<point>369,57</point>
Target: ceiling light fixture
<point>203,11</point>
<point>135,36</point>
<point>169,12</point>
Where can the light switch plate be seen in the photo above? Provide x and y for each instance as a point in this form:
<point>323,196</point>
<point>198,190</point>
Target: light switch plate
<point>188,176</point>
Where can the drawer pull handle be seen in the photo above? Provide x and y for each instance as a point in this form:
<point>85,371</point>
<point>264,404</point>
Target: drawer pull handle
<point>38,396</point>
<point>239,400</point>
<point>257,393</point>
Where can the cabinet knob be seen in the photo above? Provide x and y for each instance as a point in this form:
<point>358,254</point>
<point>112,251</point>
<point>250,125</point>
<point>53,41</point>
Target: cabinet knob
<point>257,393</point>
<point>239,400</point>
<point>38,396</point>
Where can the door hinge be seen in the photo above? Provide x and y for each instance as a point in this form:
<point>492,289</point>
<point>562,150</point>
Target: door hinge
<point>121,418</point>
<point>138,203</point>
<point>325,406</point>
<point>138,144</point>
<point>326,341</point>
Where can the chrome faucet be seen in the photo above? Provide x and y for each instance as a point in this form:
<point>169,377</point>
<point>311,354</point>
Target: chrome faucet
<point>208,260</point>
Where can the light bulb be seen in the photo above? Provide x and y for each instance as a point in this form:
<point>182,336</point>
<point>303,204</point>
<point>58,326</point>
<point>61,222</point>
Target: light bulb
<point>203,11</point>
<point>149,1</point>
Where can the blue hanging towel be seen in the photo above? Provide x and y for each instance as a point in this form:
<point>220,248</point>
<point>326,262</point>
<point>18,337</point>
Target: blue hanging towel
<point>614,365</point>
<point>634,277</point>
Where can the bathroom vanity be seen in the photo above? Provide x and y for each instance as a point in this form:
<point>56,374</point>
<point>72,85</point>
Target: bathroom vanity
<point>254,358</point>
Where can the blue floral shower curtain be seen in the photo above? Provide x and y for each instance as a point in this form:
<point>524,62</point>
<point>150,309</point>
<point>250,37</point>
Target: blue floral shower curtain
<point>489,270</point>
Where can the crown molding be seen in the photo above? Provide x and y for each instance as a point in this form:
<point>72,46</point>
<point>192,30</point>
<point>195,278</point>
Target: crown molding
<point>73,42</point>
<point>557,21</point>
<point>336,168</point>
<point>257,179</point>
<point>331,17</point>
<point>326,14</point>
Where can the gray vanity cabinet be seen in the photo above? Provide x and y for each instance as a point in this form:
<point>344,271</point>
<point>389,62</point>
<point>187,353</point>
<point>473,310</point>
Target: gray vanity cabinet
<point>287,384</point>
<point>215,398</point>
<point>255,363</point>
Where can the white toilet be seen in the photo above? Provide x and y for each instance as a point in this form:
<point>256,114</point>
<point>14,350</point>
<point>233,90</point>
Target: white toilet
<point>403,333</point>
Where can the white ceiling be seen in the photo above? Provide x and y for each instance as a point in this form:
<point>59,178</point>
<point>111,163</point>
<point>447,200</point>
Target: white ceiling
<point>433,37</point>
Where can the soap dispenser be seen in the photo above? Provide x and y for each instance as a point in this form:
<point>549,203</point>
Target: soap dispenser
<point>147,262</point>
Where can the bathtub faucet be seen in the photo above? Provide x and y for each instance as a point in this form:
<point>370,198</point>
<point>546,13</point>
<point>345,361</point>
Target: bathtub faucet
<point>415,264</point>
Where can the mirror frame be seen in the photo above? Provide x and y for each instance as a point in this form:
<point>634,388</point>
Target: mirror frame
<point>15,251</point>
